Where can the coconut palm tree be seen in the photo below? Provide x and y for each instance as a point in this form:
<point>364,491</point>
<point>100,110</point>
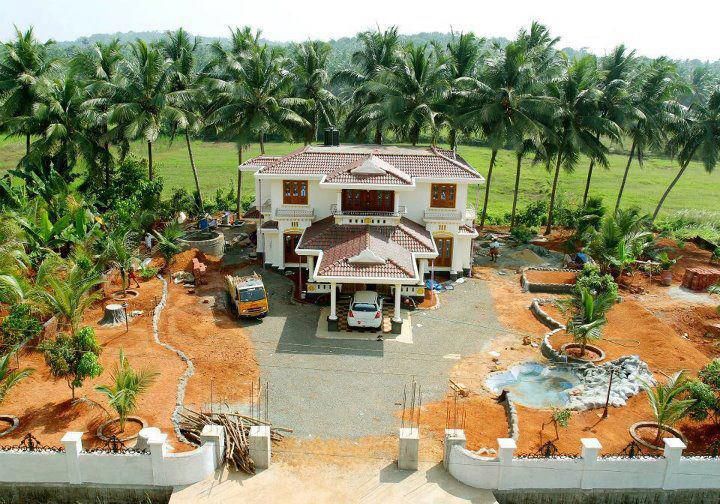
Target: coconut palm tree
<point>66,290</point>
<point>617,71</point>
<point>97,70</point>
<point>311,82</point>
<point>128,385</point>
<point>576,124</point>
<point>255,101</point>
<point>380,51</point>
<point>667,407</point>
<point>9,378</point>
<point>186,91</point>
<point>141,100</point>
<point>118,250</point>
<point>652,100</point>
<point>24,62</point>
<point>696,135</point>
<point>590,309</point>
<point>504,103</point>
<point>463,55</point>
<point>59,121</point>
<point>410,91</point>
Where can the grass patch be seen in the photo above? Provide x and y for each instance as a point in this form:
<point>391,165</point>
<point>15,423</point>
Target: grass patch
<point>217,165</point>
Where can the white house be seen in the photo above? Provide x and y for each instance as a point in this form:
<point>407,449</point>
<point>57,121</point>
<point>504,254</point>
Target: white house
<point>365,215</point>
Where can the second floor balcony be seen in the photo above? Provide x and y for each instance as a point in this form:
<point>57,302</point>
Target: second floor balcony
<point>449,214</point>
<point>285,212</point>
<point>339,211</point>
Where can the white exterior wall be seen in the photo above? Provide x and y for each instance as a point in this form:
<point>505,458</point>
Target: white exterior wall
<point>74,466</point>
<point>670,472</point>
<point>320,199</point>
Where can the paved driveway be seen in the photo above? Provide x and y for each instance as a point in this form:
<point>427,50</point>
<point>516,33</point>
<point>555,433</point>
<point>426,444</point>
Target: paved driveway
<point>349,388</point>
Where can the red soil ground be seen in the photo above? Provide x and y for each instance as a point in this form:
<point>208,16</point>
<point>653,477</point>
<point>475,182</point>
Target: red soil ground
<point>634,327</point>
<point>195,323</point>
<point>551,277</point>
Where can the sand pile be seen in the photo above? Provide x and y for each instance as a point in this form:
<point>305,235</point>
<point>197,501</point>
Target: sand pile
<point>527,257</point>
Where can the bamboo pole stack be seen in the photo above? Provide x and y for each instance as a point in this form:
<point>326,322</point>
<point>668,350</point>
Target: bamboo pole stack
<point>237,430</point>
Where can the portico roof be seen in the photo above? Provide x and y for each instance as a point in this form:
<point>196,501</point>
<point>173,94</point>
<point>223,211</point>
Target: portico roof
<point>366,252</point>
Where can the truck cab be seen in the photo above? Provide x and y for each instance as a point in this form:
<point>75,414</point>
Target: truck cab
<point>247,295</point>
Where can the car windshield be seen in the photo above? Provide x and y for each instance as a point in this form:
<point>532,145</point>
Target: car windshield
<point>364,307</point>
<point>255,294</point>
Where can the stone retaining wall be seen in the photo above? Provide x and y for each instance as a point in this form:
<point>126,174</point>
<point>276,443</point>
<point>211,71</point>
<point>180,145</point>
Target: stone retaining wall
<point>548,288</point>
<point>512,417</point>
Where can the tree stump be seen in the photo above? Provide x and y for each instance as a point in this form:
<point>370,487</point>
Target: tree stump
<point>114,315</point>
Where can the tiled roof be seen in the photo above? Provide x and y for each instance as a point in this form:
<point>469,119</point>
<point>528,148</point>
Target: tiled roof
<point>394,244</point>
<point>368,169</point>
<point>271,224</point>
<point>332,161</point>
<point>467,229</point>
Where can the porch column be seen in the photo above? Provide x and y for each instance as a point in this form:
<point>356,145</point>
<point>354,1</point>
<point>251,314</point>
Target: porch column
<point>397,201</point>
<point>332,318</point>
<point>397,319</point>
<point>421,270</point>
<point>311,268</point>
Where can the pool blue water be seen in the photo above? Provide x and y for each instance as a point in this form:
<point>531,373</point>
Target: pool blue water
<point>534,385</point>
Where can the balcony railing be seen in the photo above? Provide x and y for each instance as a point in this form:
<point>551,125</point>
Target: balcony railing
<point>335,210</point>
<point>449,214</point>
<point>294,213</point>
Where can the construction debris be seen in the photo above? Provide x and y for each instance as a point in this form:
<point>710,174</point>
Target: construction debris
<point>237,430</point>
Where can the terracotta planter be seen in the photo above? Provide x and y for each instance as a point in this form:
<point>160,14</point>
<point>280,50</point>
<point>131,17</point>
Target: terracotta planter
<point>590,349</point>
<point>12,420</point>
<point>101,434</point>
<point>666,278</point>
<point>653,425</point>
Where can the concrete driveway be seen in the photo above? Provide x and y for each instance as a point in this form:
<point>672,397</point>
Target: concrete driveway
<point>342,388</point>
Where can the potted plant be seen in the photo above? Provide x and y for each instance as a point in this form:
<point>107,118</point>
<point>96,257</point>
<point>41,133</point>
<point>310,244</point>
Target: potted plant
<point>589,309</point>
<point>128,385</point>
<point>668,408</point>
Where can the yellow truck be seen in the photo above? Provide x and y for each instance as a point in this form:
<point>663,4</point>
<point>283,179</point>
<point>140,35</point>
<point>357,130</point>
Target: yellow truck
<point>247,295</point>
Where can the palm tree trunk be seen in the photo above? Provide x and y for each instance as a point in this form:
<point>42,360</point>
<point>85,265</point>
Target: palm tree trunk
<point>670,188</point>
<point>194,170</point>
<point>587,183</point>
<point>548,229</point>
<point>378,134</point>
<point>516,191</point>
<point>487,187</point>
<point>262,142</point>
<point>108,172</point>
<point>453,138</point>
<point>150,163</point>
<point>627,169</point>
<point>239,187</point>
<point>27,144</point>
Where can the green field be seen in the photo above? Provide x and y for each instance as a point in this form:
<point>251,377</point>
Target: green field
<point>217,163</point>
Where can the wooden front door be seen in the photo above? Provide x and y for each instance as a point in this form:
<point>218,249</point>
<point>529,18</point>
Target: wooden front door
<point>445,248</point>
<point>290,241</point>
<point>357,200</point>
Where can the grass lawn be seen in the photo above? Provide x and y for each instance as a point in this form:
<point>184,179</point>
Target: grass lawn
<point>217,163</point>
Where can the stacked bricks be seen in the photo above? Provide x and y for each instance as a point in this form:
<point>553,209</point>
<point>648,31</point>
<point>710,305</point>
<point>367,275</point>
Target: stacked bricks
<point>699,279</point>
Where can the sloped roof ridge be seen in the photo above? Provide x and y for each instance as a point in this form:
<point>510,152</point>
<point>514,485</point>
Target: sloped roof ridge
<point>405,226</point>
<point>282,159</point>
<point>455,162</point>
<point>392,169</point>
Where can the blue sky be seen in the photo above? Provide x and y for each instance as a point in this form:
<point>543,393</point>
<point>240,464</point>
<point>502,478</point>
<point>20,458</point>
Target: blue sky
<point>686,29</point>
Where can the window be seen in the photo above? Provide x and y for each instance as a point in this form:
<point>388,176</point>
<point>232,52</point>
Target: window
<point>442,195</point>
<point>295,192</point>
<point>356,200</point>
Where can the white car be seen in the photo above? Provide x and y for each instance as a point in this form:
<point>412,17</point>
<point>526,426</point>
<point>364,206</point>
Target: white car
<point>365,310</point>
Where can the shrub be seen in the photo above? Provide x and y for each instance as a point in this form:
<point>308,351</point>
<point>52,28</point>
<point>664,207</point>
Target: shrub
<point>18,327</point>
<point>522,234</point>
<point>591,279</point>
<point>73,357</point>
<point>706,402</point>
<point>146,272</point>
